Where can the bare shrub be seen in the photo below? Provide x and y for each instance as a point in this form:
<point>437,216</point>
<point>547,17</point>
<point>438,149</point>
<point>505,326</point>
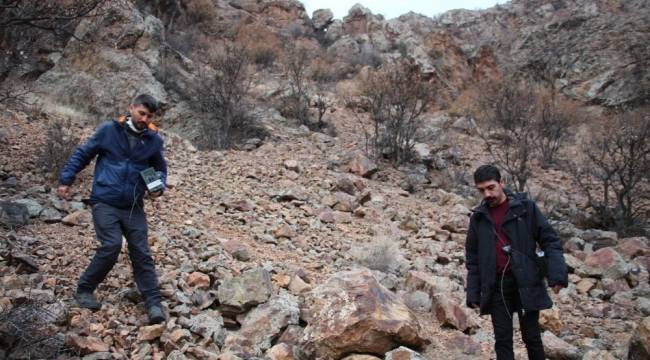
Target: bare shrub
<point>27,331</point>
<point>560,215</point>
<point>554,125</point>
<point>380,254</point>
<point>455,174</point>
<point>418,300</point>
<point>614,171</point>
<point>398,100</point>
<point>509,111</point>
<point>296,103</point>
<point>59,144</point>
<point>368,56</point>
<point>261,43</point>
<point>228,114</point>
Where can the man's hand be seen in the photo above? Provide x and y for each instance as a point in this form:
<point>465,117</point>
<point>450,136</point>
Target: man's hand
<point>557,288</point>
<point>64,191</point>
<point>154,195</point>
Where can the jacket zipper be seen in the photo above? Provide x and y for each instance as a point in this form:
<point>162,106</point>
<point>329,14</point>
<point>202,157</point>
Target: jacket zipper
<point>521,296</point>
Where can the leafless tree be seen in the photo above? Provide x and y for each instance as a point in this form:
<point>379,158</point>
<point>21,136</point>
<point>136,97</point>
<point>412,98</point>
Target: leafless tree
<point>323,103</point>
<point>509,111</point>
<point>296,102</point>
<point>398,101</point>
<point>223,97</point>
<point>614,171</point>
<point>554,126</point>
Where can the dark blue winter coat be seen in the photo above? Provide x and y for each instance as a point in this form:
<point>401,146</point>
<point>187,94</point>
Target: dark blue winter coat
<point>526,227</point>
<point>117,179</point>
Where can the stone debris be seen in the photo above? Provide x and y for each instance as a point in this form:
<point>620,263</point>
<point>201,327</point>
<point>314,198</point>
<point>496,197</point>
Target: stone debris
<point>254,245</point>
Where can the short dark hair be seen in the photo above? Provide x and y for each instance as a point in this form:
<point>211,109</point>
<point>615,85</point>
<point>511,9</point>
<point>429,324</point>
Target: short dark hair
<point>486,173</point>
<point>147,100</point>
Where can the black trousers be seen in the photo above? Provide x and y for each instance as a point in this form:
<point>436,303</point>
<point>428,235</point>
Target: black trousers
<point>110,224</point>
<point>505,301</point>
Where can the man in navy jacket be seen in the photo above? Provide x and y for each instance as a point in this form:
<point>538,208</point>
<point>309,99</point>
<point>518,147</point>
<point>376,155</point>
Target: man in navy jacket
<point>123,148</point>
<point>503,276</point>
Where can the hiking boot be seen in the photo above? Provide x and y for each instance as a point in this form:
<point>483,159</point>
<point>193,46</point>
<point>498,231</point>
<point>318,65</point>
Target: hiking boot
<point>87,301</point>
<point>156,315</point>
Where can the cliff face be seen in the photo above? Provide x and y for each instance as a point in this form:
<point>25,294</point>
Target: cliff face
<point>594,51</point>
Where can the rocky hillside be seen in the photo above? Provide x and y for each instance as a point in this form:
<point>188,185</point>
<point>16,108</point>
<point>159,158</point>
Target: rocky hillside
<point>298,246</point>
<point>264,253</point>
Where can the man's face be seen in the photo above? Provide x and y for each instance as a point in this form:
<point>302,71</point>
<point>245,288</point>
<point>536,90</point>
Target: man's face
<point>141,116</point>
<point>492,192</point>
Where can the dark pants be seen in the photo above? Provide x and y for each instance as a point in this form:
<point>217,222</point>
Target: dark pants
<point>110,224</point>
<point>505,301</point>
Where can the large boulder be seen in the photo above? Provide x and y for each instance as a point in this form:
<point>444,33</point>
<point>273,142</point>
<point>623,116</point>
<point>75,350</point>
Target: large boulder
<point>251,288</point>
<point>265,323</point>
<point>353,313</point>
<point>606,262</point>
<point>640,342</point>
<point>120,49</point>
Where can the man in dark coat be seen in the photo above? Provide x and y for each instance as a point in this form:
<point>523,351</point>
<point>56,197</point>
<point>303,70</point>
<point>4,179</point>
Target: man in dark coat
<point>124,148</point>
<point>503,275</point>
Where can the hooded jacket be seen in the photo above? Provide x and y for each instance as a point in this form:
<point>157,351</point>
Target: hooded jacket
<point>117,180</point>
<point>526,228</point>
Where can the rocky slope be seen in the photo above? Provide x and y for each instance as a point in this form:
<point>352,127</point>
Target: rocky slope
<point>258,254</point>
<point>259,250</point>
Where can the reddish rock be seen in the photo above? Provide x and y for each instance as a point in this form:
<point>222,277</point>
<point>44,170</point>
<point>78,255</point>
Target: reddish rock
<point>148,333</point>
<point>450,314</point>
<point>85,345</point>
<point>606,262</point>
<point>352,313</point>
<point>292,165</point>
<point>551,320</point>
<point>81,217</point>
<point>198,280</point>
<point>633,247</point>
<point>640,342</point>
<point>464,344</point>
<point>362,165</point>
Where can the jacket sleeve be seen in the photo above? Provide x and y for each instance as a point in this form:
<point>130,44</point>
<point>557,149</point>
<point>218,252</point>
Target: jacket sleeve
<point>471,262</point>
<point>82,156</point>
<point>159,164</point>
<point>551,244</point>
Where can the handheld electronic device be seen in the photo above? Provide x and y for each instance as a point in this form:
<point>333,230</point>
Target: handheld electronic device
<point>152,177</point>
<point>540,260</point>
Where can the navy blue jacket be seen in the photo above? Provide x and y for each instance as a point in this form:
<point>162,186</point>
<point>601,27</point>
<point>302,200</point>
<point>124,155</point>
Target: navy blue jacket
<point>526,227</point>
<point>117,179</point>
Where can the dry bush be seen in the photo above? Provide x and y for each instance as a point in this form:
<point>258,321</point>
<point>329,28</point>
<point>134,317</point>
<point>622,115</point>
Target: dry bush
<point>466,104</point>
<point>508,111</point>
<point>222,95</point>
<point>397,100</point>
<point>322,70</point>
<point>555,125</point>
<point>455,176</point>
<point>59,144</point>
<point>418,301</point>
<point>261,43</point>
<point>27,331</point>
<point>201,12</point>
<point>614,170</point>
<point>380,254</point>
<point>296,103</point>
